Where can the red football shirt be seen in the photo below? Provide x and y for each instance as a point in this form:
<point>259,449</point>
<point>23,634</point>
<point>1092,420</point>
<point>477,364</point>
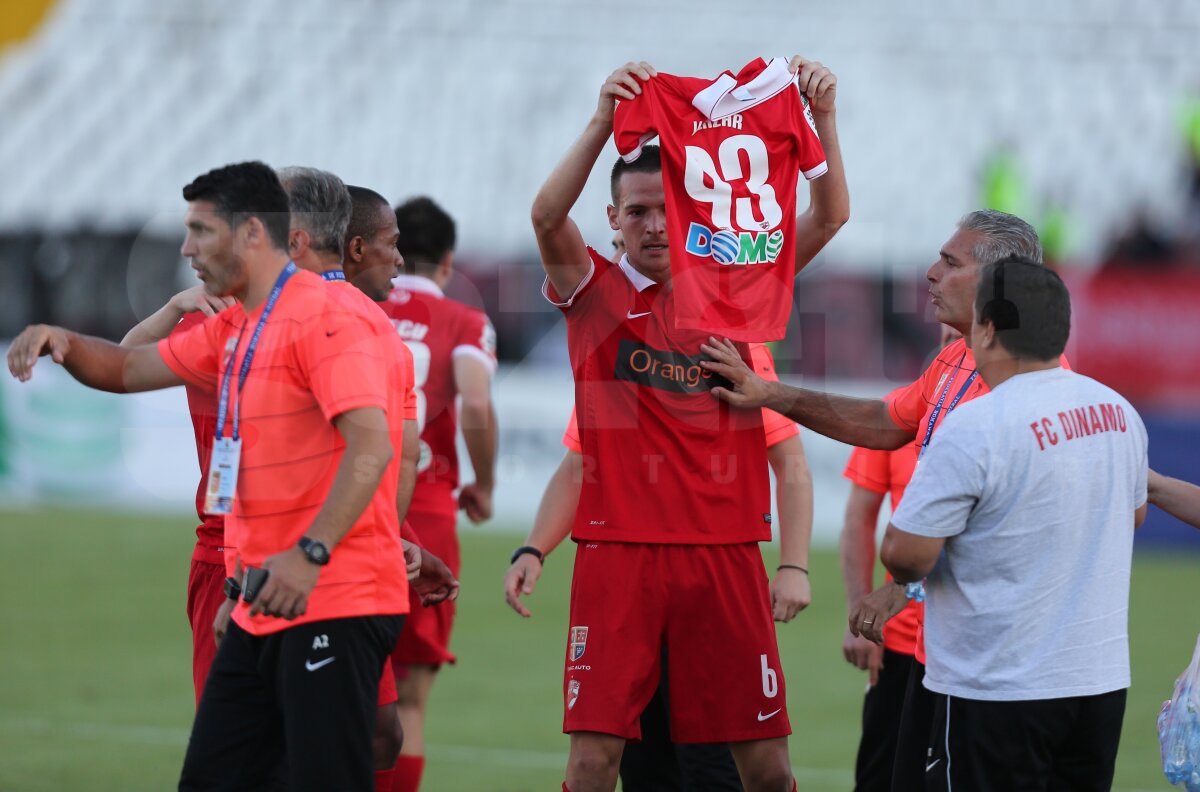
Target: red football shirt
<point>731,152</point>
<point>776,427</point>
<point>888,472</point>
<point>437,330</point>
<point>202,404</point>
<point>316,359</point>
<point>663,460</point>
<point>915,407</point>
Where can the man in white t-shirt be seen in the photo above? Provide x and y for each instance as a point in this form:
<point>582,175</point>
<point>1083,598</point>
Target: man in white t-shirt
<point>1022,516</point>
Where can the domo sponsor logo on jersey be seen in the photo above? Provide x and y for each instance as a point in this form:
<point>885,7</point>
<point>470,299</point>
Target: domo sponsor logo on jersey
<point>728,247</point>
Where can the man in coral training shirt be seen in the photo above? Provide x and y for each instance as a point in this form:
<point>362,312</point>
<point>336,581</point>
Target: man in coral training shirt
<point>650,545</point>
<point>910,419</point>
<point>303,468</point>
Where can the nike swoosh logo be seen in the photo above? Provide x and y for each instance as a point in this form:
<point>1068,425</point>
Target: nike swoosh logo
<point>931,765</point>
<point>311,666</point>
<point>632,315</point>
<point>769,715</point>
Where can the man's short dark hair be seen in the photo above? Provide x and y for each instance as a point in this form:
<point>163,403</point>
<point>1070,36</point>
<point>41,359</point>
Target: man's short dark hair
<point>242,191</point>
<point>427,233</point>
<point>1029,306</point>
<point>364,212</point>
<point>649,161</point>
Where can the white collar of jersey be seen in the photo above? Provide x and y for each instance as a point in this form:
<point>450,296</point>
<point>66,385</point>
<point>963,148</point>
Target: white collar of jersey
<point>417,283</point>
<point>724,96</point>
<point>639,281</point>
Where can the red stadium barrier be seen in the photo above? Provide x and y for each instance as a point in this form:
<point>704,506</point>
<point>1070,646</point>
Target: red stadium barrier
<point>1138,331</point>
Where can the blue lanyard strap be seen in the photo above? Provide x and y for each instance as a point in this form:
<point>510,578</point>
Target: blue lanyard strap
<point>334,275</point>
<point>937,410</point>
<point>223,402</point>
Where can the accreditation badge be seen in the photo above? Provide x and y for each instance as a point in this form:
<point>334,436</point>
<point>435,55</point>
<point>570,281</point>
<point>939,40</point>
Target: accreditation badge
<point>222,475</point>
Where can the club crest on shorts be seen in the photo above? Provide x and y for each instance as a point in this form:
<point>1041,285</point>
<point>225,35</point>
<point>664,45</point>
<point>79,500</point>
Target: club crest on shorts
<point>573,691</point>
<point>578,642</point>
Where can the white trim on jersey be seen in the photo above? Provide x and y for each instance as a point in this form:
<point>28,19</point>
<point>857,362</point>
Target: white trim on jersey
<point>816,171</point>
<point>637,150</point>
<point>570,299</point>
<point>477,353</point>
<point>724,97</point>
<point>417,283</point>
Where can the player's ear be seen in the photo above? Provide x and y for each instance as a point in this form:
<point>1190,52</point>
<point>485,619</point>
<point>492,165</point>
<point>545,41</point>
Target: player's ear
<point>354,248</point>
<point>252,232</point>
<point>298,242</point>
<point>612,218</point>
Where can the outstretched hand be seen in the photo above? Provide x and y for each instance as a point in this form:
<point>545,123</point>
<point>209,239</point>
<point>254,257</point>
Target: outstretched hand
<point>749,389</point>
<point>33,342</point>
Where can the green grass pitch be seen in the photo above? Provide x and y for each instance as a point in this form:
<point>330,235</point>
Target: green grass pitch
<point>95,681</point>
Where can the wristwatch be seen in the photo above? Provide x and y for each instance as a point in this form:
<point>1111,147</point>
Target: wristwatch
<point>232,589</point>
<point>528,550</point>
<point>316,551</point>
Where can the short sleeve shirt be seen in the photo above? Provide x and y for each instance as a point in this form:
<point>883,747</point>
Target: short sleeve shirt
<point>316,359</point>
<point>732,151</point>
<point>1034,489</point>
<point>437,331</point>
<point>671,463</point>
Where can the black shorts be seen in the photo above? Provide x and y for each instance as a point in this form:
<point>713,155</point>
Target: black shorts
<point>308,692</point>
<point>658,765</point>
<point>882,707</point>
<point>1067,744</point>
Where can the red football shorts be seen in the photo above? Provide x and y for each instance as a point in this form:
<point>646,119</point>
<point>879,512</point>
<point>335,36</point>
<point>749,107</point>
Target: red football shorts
<point>708,607</point>
<point>206,592</point>
<point>425,639</point>
<point>387,685</point>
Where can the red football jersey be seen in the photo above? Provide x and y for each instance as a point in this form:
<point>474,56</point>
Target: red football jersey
<point>437,330</point>
<point>731,152</point>
<point>202,404</point>
<point>664,461</point>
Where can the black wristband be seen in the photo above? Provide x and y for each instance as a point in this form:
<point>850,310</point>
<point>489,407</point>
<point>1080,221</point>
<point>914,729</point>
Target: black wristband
<point>528,550</point>
<point>791,566</point>
<point>232,589</point>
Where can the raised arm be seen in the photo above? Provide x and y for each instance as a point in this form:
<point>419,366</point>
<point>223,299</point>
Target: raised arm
<point>477,419</point>
<point>828,197</point>
<point>563,251</point>
<point>159,324</point>
<point>858,422</point>
<point>95,362</point>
